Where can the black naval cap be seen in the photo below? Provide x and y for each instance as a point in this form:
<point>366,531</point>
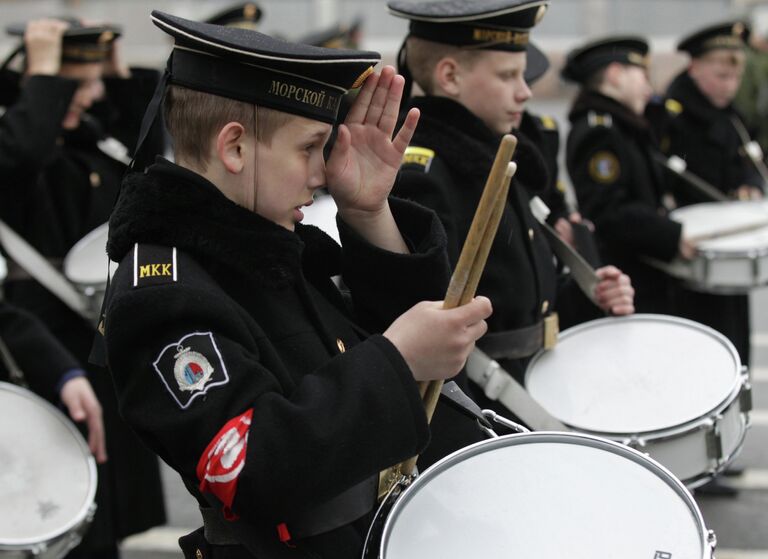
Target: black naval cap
<point>584,61</point>
<point>249,66</point>
<point>726,35</point>
<point>478,24</point>
<point>338,36</point>
<point>80,43</point>
<point>245,16</point>
<point>536,64</point>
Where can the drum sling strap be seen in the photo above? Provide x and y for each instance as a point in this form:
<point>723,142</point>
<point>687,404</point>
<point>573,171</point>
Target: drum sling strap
<point>500,386</point>
<point>581,271</point>
<point>41,270</point>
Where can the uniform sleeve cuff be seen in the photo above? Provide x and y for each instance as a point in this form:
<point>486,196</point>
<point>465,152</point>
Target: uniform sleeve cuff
<point>66,377</point>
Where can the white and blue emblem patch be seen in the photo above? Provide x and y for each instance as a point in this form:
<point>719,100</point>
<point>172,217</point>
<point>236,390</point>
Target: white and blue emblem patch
<point>190,367</point>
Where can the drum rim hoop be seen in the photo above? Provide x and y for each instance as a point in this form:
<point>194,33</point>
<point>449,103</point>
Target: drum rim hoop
<point>651,317</point>
<point>14,544</point>
<point>549,437</point>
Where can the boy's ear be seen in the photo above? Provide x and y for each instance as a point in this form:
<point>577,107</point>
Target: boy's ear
<point>230,144</point>
<point>447,76</point>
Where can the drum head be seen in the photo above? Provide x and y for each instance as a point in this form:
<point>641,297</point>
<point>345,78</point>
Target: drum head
<point>47,475</point>
<point>634,374</point>
<point>545,496</point>
<point>86,262</point>
<point>322,214</point>
<point>715,217</point>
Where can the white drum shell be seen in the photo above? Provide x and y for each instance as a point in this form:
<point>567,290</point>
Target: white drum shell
<point>86,266</point>
<point>733,264</point>
<point>47,478</point>
<point>546,496</point>
<point>652,402</point>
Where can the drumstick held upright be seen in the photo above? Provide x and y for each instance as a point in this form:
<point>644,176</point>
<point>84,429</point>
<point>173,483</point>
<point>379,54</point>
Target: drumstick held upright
<point>466,275</point>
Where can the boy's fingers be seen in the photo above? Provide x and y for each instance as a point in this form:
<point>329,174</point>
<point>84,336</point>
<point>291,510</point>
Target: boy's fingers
<point>379,98</point>
<point>360,106</point>
<point>388,119</point>
<point>404,135</point>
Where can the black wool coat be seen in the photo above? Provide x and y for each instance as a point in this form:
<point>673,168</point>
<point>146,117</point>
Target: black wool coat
<point>328,405</point>
<point>520,277</point>
<point>55,187</point>
<point>704,136</point>
<point>544,133</point>
<point>621,189</point>
<point>39,355</point>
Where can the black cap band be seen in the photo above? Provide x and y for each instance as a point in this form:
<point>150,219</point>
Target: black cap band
<point>263,86</point>
<point>471,35</point>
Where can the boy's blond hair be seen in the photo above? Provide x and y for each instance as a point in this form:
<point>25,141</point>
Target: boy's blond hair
<point>422,57</point>
<point>194,118</point>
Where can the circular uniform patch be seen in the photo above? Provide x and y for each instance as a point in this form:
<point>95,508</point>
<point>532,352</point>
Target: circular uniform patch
<point>604,167</point>
<point>191,370</point>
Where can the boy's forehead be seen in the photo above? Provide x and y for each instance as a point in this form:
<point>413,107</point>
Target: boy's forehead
<point>500,61</point>
<point>306,127</point>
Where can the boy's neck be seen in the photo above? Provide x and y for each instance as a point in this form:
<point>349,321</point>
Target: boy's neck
<point>217,176</point>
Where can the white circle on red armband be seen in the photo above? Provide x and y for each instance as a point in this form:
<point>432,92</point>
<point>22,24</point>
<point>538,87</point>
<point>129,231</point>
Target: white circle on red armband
<point>220,465</point>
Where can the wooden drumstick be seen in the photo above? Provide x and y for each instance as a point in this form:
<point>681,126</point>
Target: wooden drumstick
<point>466,275</point>
<point>431,394</point>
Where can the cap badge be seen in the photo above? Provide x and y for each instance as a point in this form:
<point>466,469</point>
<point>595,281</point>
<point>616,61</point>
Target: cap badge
<point>105,37</point>
<point>249,11</point>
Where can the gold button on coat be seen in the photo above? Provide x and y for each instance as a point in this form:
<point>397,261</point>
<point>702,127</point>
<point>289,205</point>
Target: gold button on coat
<point>530,234</point>
<point>95,179</point>
<point>198,554</point>
<point>340,345</point>
<point>544,307</point>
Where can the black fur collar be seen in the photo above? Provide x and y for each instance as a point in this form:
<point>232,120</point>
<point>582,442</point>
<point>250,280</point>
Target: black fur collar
<point>172,206</point>
<point>695,103</point>
<point>463,142</point>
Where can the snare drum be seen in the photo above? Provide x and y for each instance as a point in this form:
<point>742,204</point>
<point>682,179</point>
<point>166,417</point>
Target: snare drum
<point>86,267</point>
<point>669,387</point>
<point>546,495</point>
<point>730,264</point>
<point>47,478</point>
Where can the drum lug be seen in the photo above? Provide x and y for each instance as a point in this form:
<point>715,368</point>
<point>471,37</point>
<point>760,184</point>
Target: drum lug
<point>712,540</point>
<point>745,397</point>
<point>37,549</point>
<point>715,441</point>
<point>707,259</point>
<point>635,442</point>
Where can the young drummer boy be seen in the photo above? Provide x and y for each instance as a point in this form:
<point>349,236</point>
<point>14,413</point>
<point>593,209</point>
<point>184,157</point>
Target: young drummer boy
<point>470,61</point>
<point>611,164</point>
<point>234,356</point>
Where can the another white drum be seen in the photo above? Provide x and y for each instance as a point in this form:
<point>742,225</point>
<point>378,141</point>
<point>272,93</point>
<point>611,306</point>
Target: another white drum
<point>670,387</point>
<point>546,495</point>
<point>47,478</point>
<point>322,214</point>
<point>86,267</point>
<point>730,264</point>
